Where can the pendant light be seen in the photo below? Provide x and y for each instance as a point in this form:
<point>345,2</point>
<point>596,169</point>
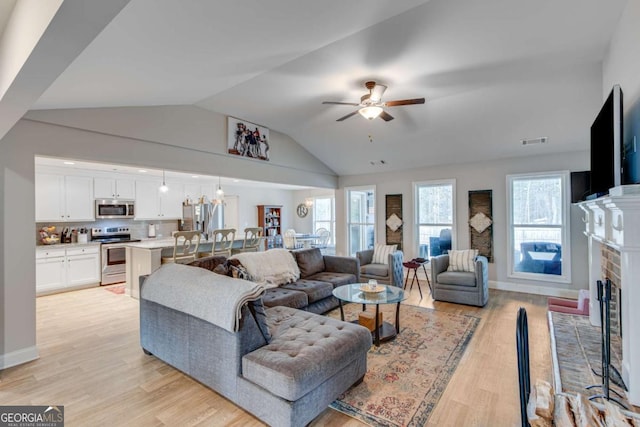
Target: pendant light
<point>219,194</point>
<point>163,188</point>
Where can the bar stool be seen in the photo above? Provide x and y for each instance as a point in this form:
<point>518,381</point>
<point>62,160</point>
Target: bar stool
<point>185,248</point>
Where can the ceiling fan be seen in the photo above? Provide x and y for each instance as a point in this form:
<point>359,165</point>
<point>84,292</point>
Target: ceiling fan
<point>371,103</point>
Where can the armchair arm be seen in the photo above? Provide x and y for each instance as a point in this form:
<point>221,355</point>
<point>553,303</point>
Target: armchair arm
<point>365,257</point>
<point>396,270</point>
<point>482,270</point>
<point>342,264</point>
<point>439,264</point>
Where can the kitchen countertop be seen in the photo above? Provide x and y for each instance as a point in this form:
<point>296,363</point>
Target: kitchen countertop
<point>162,242</point>
<point>66,245</point>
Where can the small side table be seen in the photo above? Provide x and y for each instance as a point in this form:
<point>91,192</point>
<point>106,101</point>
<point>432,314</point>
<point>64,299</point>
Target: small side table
<point>414,265</point>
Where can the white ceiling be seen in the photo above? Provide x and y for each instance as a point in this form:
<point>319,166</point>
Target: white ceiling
<point>489,70</point>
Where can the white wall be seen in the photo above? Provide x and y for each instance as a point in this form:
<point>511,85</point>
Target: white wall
<point>305,225</point>
<point>201,131</point>
<point>622,62</point>
<point>475,176</point>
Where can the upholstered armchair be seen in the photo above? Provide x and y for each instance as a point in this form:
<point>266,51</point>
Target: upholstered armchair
<point>462,287</point>
<point>391,273</point>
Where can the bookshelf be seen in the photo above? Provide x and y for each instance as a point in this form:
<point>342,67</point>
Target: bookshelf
<point>269,218</point>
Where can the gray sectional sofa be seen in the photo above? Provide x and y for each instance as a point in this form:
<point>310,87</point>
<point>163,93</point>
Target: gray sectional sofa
<point>313,291</point>
<point>283,365</point>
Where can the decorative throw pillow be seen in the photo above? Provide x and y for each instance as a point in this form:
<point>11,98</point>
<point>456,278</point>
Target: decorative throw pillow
<point>381,253</point>
<point>464,260</point>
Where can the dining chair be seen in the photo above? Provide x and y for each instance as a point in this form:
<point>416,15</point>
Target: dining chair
<point>222,242</point>
<point>290,241</point>
<point>185,247</point>
<point>252,240</point>
<point>322,239</point>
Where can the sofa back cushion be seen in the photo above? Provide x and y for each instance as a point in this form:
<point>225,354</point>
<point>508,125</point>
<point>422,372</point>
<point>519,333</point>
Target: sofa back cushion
<point>310,261</point>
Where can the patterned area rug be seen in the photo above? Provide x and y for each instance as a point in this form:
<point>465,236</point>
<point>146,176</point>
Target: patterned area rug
<point>406,377</point>
<point>578,351</point>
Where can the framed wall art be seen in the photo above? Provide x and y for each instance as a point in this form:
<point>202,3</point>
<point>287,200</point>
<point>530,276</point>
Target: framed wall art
<point>481,222</point>
<point>247,139</point>
<point>393,220</point>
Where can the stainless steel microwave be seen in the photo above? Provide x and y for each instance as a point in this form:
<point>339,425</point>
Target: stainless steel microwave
<point>114,209</point>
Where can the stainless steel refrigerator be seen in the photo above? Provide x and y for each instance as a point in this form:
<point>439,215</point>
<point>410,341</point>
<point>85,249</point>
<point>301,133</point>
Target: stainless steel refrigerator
<point>203,217</point>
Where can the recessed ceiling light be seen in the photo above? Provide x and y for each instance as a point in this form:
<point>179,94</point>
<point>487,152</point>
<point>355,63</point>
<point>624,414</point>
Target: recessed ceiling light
<point>195,176</point>
<point>236,180</point>
<point>69,163</point>
<point>142,171</point>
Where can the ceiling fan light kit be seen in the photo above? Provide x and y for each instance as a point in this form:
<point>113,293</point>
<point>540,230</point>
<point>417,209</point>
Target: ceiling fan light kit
<point>371,112</point>
<point>371,105</point>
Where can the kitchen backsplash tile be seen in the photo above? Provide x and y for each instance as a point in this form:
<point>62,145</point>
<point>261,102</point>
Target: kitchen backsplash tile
<point>138,229</point>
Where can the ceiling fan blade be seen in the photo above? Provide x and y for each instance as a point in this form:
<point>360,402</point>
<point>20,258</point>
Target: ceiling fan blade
<point>376,92</point>
<point>386,116</point>
<point>347,116</point>
<point>340,103</point>
<point>404,102</point>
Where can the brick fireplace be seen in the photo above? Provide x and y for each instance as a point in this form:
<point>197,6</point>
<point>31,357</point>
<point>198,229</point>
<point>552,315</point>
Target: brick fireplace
<point>610,267</point>
<point>612,227</point>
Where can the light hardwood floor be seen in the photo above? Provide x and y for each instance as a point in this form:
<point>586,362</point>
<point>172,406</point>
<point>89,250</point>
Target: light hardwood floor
<point>91,362</point>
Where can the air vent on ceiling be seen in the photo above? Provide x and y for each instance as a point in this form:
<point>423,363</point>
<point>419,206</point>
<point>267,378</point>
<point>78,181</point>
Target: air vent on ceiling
<point>541,140</point>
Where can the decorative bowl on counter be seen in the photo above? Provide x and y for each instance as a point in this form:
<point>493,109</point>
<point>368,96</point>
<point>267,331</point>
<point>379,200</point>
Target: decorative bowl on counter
<point>50,240</point>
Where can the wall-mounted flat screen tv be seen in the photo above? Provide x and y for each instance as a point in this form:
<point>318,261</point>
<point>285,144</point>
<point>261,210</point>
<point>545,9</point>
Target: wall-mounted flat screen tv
<point>606,143</point>
<point>630,158</point>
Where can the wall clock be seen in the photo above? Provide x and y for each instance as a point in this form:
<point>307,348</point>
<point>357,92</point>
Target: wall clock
<point>302,210</point>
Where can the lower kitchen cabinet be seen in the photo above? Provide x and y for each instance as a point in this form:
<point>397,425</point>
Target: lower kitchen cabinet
<point>59,269</point>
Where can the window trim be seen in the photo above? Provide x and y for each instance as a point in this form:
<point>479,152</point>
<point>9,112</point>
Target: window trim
<point>332,221</point>
<point>565,277</point>
<point>416,213</point>
<point>347,207</point>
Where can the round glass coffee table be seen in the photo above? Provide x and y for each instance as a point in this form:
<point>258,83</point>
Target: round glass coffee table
<point>389,295</point>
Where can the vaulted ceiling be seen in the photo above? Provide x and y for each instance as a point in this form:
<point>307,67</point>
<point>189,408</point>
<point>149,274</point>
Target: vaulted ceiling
<point>493,72</point>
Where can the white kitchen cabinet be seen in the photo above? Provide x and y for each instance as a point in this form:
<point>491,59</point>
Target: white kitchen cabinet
<point>152,204</point>
<point>63,198</point>
<point>108,188</point>
<point>195,191</point>
<point>83,265</point>
<point>61,269</point>
<point>51,270</point>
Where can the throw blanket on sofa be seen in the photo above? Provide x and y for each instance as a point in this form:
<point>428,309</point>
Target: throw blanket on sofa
<point>271,268</point>
<point>201,293</point>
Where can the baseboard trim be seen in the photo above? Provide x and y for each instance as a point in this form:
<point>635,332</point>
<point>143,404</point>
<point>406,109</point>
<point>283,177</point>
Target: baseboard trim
<point>18,357</point>
<point>534,289</point>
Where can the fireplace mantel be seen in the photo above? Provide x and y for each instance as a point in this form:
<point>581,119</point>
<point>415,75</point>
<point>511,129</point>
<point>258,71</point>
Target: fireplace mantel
<point>614,221</point>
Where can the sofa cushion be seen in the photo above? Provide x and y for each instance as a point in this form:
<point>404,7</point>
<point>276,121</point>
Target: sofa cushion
<point>310,261</point>
<point>314,289</point>
<point>285,297</point>
<point>463,260</point>
<point>381,270</point>
<point>459,278</point>
<point>306,349</point>
<point>381,253</point>
<point>336,279</point>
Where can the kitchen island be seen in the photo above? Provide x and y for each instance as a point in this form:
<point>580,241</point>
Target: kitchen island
<point>145,257</point>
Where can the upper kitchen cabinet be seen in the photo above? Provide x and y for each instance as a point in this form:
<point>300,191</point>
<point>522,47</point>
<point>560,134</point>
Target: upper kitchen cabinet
<point>151,203</point>
<point>63,198</point>
<point>108,188</point>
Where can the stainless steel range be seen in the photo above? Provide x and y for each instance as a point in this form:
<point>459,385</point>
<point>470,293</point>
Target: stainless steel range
<point>113,252</point>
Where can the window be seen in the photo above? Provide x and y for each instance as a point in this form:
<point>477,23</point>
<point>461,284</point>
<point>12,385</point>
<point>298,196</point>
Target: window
<point>435,211</point>
<point>361,219</point>
<point>324,216</point>
<point>539,226</point>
